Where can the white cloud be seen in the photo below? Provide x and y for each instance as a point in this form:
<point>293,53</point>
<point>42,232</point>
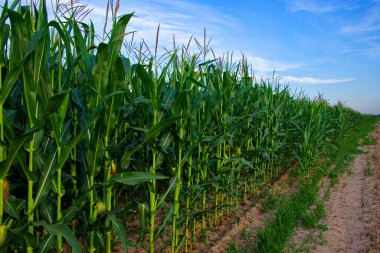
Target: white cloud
<point>365,28</point>
<point>180,18</point>
<point>314,6</point>
<point>260,65</point>
<point>312,80</point>
<point>367,23</point>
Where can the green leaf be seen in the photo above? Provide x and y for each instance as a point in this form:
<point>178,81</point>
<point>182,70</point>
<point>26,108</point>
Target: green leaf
<point>66,150</point>
<point>46,245</point>
<point>47,211</point>
<point>54,103</point>
<point>100,241</point>
<point>161,79</point>
<point>164,222</point>
<point>117,75</point>
<point>119,229</point>
<point>95,153</point>
<point>117,37</point>
<point>66,39</point>
<point>80,46</point>
<point>28,174</point>
<point>134,178</point>
<point>63,230</point>
<point>3,144</point>
<point>29,239</point>
<point>20,37</point>
<point>240,160</point>
<point>69,213</point>
<point>45,176</point>
<point>207,62</point>
<point>9,81</point>
<point>152,133</point>
<point>155,130</point>
<point>172,185</point>
<point>15,145</point>
<point>197,83</point>
<point>100,74</point>
<point>143,214</point>
<point>42,49</point>
<point>148,84</point>
<point>13,206</point>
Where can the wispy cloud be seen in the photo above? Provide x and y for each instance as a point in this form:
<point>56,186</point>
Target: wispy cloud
<point>262,65</point>
<point>365,28</point>
<point>317,6</point>
<point>312,80</point>
<point>369,22</point>
<point>182,19</point>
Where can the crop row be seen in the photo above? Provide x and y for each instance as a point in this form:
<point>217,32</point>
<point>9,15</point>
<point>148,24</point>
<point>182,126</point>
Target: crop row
<point>91,138</point>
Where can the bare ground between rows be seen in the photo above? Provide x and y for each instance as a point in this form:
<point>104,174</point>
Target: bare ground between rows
<point>246,223</point>
<point>248,218</point>
<point>352,209</point>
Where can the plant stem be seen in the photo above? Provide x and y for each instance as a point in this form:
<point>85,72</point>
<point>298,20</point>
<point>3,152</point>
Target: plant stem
<point>74,167</point>
<point>92,233</point>
<point>108,200</point>
<point>218,166</point>
<point>30,193</point>
<point>2,152</point>
<point>108,196</point>
<point>59,199</point>
<point>152,192</point>
<point>189,181</point>
<point>177,191</point>
<point>1,200</point>
<point>204,177</point>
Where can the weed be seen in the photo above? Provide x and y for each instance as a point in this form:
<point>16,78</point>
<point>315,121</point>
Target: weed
<point>245,234</point>
<point>232,248</point>
<point>368,170</point>
<point>310,219</point>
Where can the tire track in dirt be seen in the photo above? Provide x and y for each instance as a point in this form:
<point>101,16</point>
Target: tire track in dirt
<point>353,209</point>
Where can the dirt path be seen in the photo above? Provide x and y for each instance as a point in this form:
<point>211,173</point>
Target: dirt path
<point>352,210</point>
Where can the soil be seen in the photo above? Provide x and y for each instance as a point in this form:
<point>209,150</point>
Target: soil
<point>352,221</point>
<point>243,227</point>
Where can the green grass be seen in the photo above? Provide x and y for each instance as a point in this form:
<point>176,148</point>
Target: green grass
<point>276,233</point>
<point>311,218</point>
<point>271,200</point>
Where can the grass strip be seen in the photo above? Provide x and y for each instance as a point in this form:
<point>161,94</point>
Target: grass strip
<point>276,233</point>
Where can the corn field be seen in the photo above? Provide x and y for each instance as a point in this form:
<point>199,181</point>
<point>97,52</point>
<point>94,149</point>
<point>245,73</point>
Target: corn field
<point>91,138</point>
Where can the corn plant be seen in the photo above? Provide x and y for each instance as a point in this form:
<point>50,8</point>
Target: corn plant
<point>90,137</point>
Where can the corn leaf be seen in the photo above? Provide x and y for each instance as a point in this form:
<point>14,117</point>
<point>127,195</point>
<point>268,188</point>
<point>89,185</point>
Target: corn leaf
<point>9,81</point>
<point>152,133</point>
<point>15,144</point>
<point>43,186</point>
<point>164,222</point>
<point>119,228</point>
<point>117,37</point>
<point>63,230</point>
<point>54,103</point>
<point>143,216</point>
<point>47,244</point>
<point>95,153</point>
<point>134,178</point>
<point>14,206</point>
<point>172,185</point>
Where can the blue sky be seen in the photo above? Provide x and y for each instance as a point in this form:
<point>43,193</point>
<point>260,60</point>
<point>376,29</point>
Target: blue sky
<point>330,47</point>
